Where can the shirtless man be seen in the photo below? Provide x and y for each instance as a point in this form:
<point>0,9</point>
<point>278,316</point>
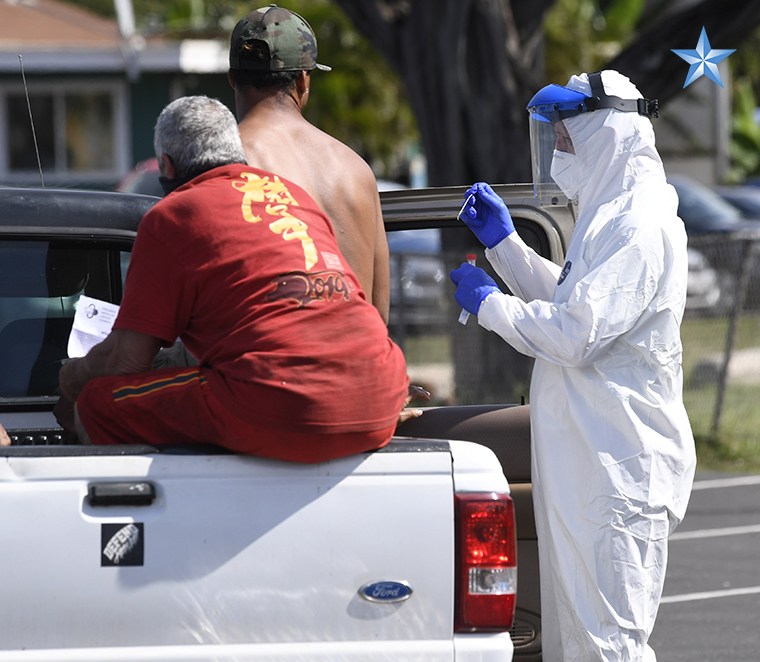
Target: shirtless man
<point>272,54</point>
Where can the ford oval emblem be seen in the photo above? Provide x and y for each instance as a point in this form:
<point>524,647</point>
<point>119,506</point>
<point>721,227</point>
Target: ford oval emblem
<point>387,592</point>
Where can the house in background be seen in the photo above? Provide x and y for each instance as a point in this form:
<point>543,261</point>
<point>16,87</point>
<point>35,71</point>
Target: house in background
<point>94,92</point>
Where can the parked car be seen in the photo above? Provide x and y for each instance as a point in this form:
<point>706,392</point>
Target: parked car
<point>418,279</point>
<point>719,231</point>
<point>143,178</point>
<point>417,273</point>
<point>704,211</point>
<point>705,294</point>
<point>745,198</point>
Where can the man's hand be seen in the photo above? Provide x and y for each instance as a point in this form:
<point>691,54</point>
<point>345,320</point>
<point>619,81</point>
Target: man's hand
<point>473,286</point>
<point>5,440</point>
<point>486,215</point>
<point>70,379</point>
<point>414,392</point>
<point>123,352</point>
<point>64,414</point>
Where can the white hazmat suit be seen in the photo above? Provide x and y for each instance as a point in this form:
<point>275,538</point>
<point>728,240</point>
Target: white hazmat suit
<point>613,454</point>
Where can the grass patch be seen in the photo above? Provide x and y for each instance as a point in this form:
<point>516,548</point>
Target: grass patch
<point>709,333</point>
<point>427,348</point>
<point>734,445</point>
<point>721,455</point>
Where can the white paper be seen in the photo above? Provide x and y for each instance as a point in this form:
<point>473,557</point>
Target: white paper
<point>92,324</point>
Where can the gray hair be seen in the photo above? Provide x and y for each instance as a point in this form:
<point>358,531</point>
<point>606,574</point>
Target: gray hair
<point>198,133</point>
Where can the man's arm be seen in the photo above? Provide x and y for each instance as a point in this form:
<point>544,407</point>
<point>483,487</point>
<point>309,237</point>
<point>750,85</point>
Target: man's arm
<point>123,352</point>
<point>381,287</point>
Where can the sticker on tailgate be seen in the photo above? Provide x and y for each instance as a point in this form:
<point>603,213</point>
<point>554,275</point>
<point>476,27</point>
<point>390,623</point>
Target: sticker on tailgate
<point>122,544</point>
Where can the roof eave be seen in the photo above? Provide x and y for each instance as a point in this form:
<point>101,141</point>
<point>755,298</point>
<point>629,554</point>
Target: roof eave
<point>187,56</point>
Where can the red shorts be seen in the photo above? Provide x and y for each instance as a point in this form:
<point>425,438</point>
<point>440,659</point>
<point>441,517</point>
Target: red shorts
<point>175,406</point>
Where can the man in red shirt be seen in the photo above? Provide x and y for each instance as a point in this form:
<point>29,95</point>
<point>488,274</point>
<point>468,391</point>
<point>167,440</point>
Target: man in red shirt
<point>244,268</point>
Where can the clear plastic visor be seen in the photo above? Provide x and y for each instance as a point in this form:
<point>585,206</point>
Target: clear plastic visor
<point>543,140</point>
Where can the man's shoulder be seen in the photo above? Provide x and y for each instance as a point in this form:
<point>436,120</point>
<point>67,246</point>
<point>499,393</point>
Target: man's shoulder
<point>348,154</point>
<point>197,188</point>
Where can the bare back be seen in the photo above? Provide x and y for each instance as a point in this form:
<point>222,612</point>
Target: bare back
<point>338,180</point>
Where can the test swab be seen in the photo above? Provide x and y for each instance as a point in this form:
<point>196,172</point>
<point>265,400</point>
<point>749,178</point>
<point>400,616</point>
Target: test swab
<point>464,315</point>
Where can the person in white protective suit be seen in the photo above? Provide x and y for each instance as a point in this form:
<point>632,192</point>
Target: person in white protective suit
<point>613,454</point>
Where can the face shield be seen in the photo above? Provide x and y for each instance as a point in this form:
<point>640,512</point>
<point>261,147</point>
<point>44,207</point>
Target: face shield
<point>548,108</point>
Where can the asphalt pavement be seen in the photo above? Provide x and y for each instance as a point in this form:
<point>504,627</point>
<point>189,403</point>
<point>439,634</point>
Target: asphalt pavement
<point>710,611</point>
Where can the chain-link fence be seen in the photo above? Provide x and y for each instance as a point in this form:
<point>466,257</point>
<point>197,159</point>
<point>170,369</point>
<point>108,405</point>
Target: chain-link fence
<point>721,337</point>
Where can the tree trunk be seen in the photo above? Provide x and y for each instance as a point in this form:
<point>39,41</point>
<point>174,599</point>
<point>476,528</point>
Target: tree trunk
<point>469,68</point>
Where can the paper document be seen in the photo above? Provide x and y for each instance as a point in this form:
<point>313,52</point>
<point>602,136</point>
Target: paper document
<point>92,324</point>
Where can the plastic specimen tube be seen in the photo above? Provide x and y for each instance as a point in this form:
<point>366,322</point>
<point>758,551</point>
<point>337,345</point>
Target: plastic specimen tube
<point>464,315</point>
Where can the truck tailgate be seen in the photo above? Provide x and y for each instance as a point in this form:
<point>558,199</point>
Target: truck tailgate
<point>240,558</point>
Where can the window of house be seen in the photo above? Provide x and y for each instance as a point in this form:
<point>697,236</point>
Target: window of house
<point>80,131</point>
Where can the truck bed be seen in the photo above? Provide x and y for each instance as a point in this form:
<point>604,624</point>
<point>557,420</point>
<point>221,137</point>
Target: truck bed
<point>129,553</point>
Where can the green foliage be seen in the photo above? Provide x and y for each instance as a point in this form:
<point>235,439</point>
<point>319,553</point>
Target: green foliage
<point>101,7</point>
<point>745,133</point>
<point>745,128</point>
<point>745,64</point>
<point>177,18</point>
<point>361,101</point>
<point>582,36</point>
<point>621,18</point>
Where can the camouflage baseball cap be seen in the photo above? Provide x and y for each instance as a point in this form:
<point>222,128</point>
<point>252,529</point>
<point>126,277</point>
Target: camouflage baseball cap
<point>274,39</point>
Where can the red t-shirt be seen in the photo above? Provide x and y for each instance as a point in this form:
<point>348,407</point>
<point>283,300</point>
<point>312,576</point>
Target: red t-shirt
<point>244,267</point>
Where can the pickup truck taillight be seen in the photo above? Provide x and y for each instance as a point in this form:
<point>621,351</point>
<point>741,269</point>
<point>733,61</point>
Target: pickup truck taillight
<point>486,562</point>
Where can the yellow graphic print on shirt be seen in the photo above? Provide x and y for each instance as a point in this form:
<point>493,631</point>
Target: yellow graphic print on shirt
<point>278,202</point>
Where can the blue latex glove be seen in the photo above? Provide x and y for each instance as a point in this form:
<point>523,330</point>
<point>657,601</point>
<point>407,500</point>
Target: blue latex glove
<point>473,286</point>
<point>486,215</point>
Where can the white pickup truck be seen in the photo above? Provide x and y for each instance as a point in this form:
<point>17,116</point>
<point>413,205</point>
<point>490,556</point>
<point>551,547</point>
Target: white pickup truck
<point>194,553</point>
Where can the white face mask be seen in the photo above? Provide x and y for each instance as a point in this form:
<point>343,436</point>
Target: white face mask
<point>566,173</point>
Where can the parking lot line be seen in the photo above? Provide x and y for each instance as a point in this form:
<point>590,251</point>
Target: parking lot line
<point>716,533</point>
<point>710,595</point>
<point>736,481</point>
